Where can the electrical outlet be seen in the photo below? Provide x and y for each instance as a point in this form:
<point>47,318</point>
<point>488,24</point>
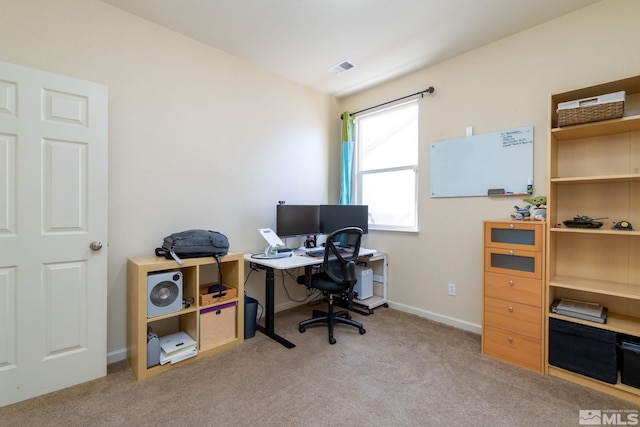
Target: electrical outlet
<point>452,289</point>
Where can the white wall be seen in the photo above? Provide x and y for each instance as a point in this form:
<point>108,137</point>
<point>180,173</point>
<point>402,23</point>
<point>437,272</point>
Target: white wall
<point>197,138</point>
<point>503,85</point>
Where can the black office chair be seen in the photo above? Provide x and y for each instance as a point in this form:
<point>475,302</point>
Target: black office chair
<point>337,278</point>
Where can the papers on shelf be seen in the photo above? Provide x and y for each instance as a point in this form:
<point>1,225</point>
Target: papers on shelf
<point>590,311</point>
<point>179,357</point>
<point>176,347</point>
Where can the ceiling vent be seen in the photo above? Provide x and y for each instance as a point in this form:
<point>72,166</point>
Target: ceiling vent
<point>341,67</point>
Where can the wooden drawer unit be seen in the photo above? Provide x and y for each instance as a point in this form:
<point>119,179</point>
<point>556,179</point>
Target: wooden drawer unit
<point>521,318</point>
<point>515,235</point>
<point>513,262</point>
<point>518,349</point>
<point>513,292</point>
<point>513,288</point>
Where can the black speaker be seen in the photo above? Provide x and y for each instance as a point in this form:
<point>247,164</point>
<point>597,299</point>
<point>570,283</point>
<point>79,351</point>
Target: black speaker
<point>164,293</point>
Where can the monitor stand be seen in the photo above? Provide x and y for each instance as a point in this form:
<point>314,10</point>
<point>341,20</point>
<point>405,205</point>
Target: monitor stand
<point>271,252</point>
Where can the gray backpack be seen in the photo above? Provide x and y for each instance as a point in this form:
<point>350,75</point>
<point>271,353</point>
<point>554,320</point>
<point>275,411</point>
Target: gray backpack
<point>194,244</point>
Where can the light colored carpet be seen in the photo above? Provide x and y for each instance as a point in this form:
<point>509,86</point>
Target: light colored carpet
<point>405,371</point>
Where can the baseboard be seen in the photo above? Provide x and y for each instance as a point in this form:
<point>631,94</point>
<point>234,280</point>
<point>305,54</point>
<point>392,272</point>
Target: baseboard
<point>116,356</point>
<point>287,305</point>
<point>436,317</point>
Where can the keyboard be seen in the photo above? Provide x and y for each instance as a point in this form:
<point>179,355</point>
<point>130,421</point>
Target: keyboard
<point>315,252</point>
<point>320,252</point>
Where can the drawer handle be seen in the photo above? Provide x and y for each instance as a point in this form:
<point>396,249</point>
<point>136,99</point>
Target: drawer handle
<point>510,252</point>
<point>510,282</point>
<point>510,309</point>
<point>510,339</point>
<point>511,226</point>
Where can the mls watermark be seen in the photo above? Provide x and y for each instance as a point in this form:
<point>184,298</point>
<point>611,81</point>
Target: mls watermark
<point>608,417</point>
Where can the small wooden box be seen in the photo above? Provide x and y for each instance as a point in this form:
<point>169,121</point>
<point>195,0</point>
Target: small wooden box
<point>217,325</point>
<point>207,299</point>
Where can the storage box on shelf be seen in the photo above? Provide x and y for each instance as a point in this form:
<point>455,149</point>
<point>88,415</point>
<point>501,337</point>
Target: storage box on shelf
<point>218,325</point>
<point>513,319</point>
<point>216,297</point>
<point>630,362</point>
<point>215,325</point>
<point>583,349</point>
<point>594,170</point>
<point>592,109</point>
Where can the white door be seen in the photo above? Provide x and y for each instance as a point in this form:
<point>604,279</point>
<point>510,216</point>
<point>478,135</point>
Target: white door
<point>53,205</point>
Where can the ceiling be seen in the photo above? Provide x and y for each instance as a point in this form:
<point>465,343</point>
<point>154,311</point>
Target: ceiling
<point>384,39</point>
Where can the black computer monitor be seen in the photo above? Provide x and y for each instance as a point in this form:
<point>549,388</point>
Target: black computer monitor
<point>297,220</point>
<point>334,217</point>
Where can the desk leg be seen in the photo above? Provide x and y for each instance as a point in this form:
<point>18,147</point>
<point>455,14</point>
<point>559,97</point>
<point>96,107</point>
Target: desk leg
<point>270,311</point>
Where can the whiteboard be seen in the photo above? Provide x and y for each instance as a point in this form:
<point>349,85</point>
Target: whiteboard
<point>472,165</point>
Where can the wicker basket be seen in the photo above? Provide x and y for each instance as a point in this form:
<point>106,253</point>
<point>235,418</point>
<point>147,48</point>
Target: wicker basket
<point>604,107</point>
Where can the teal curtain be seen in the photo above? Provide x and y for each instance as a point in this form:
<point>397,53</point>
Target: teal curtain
<point>347,158</point>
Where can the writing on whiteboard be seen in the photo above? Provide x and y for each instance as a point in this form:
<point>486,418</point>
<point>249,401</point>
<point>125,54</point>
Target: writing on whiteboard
<point>516,137</point>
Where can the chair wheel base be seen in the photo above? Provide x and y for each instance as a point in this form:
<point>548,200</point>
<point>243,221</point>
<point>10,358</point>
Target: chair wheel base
<point>362,331</point>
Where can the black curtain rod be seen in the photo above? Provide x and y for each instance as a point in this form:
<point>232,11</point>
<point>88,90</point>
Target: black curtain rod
<point>421,93</point>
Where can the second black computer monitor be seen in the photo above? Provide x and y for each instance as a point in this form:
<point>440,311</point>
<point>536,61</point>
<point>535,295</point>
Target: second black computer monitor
<point>307,220</point>
<point>335,217</point>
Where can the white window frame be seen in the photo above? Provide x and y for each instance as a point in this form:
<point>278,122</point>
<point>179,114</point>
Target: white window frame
<point>361,173</point>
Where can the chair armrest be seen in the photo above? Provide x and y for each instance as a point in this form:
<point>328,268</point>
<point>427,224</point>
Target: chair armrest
<point>350,273</point>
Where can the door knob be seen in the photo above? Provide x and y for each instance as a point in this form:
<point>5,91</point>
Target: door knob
<point>95,246</point>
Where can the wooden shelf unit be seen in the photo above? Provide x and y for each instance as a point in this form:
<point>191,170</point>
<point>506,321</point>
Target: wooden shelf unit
<point>197,273</point>
<point>594,170</point>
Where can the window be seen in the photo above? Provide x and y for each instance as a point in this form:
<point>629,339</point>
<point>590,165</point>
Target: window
<point>387,166</point>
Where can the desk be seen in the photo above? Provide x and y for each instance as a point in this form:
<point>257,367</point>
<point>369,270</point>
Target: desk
<point>271,264</point>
